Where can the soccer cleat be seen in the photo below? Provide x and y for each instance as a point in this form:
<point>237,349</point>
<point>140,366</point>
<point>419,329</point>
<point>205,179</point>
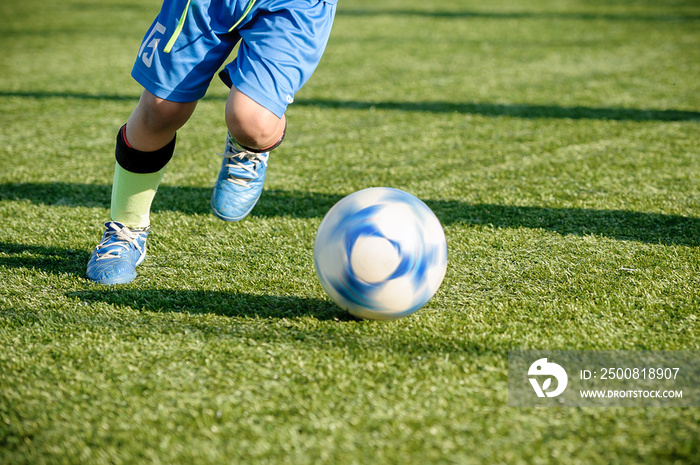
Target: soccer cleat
<point>240,182</point>
<point>116,257</point>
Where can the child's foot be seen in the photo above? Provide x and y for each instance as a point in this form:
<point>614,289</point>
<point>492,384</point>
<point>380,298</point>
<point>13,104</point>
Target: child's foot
<point>240,182</point>
<point>116,257</point>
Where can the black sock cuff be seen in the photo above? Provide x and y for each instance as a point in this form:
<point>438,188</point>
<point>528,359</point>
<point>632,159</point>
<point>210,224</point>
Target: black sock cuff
<point>140,162</point>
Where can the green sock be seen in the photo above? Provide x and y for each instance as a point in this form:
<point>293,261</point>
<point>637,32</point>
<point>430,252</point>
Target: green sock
<point>132,195</point>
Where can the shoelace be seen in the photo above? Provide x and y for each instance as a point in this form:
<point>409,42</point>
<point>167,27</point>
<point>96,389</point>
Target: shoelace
<point>124,236</point>
<point>237,160</point>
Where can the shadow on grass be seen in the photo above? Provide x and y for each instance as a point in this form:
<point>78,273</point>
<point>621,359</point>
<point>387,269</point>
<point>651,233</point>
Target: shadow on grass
<point>652,228</point>
<point>267,308</point>
<point>57,260</point>
<point>559,15</point>
<point>527,111</point>
<point>51,259</point>
<point>229,304</point>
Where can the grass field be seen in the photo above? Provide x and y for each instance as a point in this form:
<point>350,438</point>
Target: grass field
<point>557,141</point>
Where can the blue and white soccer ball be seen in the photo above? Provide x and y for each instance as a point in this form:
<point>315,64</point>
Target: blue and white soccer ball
<point>380,253</point>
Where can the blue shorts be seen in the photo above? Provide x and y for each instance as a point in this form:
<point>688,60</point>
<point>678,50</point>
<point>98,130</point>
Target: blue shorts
<point>280,45</point>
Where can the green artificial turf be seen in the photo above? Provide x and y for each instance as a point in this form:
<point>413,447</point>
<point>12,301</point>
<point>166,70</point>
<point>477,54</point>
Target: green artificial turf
<point>557,142</point>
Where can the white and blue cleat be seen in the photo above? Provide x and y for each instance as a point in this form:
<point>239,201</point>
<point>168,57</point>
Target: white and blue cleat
<point>116,257</point>
<point>240,182</point>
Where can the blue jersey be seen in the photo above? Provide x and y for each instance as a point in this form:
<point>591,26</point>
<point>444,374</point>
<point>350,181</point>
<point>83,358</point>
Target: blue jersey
<point>280,46</point>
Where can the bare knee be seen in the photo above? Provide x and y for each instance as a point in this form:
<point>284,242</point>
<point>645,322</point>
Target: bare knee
<point>251,124</point>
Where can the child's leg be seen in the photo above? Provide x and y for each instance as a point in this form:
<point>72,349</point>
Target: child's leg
<point>279,50</point>
<point>144,147</point>
<point>175,77</point>
<point>253,131</point>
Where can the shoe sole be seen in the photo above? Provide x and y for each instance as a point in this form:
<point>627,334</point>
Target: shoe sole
<point>117,280</point>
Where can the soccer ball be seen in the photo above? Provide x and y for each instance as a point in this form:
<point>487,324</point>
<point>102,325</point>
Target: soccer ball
<point>380,253</point>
